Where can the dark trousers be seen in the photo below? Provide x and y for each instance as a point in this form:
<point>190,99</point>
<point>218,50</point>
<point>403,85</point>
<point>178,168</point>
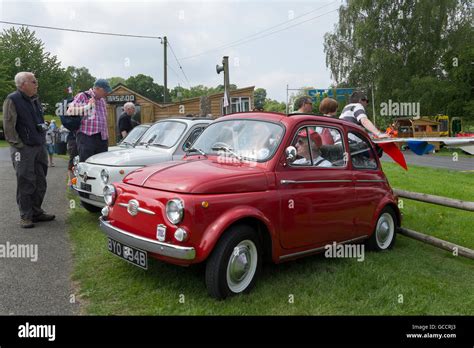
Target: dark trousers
<point>89,145</point>
<point>31,167</point>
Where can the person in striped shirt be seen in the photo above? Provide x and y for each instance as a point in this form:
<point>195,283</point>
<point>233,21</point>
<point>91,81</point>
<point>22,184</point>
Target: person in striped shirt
<point>92,137</point>
<point>355,113</point>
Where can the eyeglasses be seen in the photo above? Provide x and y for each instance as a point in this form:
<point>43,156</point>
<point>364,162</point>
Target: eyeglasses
<point>33,82</point>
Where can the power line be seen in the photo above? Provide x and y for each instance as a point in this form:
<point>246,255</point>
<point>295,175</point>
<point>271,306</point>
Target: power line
<point>81,31</point>
<point>179,64</point>
<point>246,38</point>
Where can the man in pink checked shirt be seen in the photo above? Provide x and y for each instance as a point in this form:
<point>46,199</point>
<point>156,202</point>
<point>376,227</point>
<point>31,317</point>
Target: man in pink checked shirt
<point>92,137</point>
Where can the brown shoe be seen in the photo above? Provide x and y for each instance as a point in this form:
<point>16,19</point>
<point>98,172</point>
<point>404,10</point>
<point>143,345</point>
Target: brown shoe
<point>26,223</point>
<point>43,217</point>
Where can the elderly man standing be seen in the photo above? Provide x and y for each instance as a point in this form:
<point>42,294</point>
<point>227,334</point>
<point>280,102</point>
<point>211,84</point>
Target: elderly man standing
<point>92,137</point>
<point>25,131</point>
<point>125,120</point>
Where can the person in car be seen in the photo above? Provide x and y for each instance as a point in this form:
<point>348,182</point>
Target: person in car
<point>303,154</point>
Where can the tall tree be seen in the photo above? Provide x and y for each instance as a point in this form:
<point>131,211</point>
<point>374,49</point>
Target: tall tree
<point>401,48</point>
<point>259,95</point>
<point>20,50</point>
<point>80,78</point>
<point>145,86</point>
<point>114,81</point>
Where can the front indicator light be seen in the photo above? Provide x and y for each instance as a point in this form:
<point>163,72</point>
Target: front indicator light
<point>161,232</point>
<point>181,235</point>
<point>105,211</point>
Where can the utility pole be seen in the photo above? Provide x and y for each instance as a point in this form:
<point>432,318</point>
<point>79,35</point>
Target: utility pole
<point>165,69</point>
<point>225,68</point>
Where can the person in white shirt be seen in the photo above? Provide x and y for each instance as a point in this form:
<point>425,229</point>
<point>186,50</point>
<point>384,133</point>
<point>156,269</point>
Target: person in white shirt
<point>355,113</point>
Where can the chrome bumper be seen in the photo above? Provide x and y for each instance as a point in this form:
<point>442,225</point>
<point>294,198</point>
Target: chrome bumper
<point>152,246</point>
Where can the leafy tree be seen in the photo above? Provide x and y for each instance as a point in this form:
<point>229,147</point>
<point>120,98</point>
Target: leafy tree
<point>7,85</point>
<point>274,106</point>
<point>405,49</point>
<point>260,94</point>
<point>20,50</point>
<point>145,86</point>
<point>80,78</point>
<point>114,81</point>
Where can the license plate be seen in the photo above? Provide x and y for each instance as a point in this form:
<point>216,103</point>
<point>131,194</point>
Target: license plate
<point>135,256</point>
<point>86,187</point>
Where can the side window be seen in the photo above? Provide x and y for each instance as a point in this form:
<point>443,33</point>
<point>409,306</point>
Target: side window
<point>361,152</point>
<point>319,147</point>
<point>192,137</point>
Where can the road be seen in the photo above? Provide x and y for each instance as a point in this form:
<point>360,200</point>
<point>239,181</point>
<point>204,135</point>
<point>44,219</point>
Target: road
<point>43,287</point>
<point>437,161</point>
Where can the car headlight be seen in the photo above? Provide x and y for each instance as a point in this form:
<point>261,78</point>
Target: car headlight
<point>79,168</point>
<point>110,194</point>
<point>104,176</point>
<point>75,161</point>
<point>175,210</point>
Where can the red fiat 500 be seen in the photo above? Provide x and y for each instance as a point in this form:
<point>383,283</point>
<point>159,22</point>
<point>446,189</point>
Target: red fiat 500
<point>254,186</point>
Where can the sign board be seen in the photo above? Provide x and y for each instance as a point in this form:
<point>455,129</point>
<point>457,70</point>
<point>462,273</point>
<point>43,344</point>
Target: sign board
<point>340,93</point>
<point>117,99</point>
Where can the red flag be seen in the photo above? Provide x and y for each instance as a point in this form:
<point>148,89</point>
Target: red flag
<point>394,152</point>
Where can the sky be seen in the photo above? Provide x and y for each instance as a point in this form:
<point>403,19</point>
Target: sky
<point>200,34</point>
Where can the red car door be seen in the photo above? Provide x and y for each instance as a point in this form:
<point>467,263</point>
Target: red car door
<point>316,194</point>
<point>370,182</point>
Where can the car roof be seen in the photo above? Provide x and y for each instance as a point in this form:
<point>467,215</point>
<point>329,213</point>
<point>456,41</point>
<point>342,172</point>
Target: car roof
<point>287,120</point>
<point>188,120</point>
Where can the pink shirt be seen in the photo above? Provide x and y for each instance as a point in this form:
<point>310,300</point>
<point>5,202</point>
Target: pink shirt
<point>96,119</point>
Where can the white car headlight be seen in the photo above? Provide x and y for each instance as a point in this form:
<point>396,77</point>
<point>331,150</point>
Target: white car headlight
<point>104,176</point>
<point>110,194</point>
<point>79,168</point>
<point>175,210</point>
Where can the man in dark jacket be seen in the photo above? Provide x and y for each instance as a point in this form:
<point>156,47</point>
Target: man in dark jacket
<point>25,131</point>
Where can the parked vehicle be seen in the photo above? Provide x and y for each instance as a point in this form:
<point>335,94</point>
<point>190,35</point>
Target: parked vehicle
<point>166,140</point>
<point>254,186</point>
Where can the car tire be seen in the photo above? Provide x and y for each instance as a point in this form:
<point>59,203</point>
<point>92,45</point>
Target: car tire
<point>383,237</point>
<point>90,208</point>
<point>234,264</point>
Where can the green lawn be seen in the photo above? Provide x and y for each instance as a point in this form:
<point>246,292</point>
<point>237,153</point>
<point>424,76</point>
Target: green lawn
<point>430,280</point>
<point>3,143</point>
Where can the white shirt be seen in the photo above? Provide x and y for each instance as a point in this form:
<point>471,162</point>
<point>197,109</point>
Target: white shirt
<point>353,112</point>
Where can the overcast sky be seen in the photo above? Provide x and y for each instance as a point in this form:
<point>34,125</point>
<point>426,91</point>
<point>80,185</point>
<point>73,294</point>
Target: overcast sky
<point>293,56</point>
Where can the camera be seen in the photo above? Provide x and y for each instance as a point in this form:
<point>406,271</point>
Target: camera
<point>42,127</point>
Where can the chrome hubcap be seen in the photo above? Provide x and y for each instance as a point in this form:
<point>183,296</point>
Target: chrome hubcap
<point>242,266</point>
<point>385,230</point>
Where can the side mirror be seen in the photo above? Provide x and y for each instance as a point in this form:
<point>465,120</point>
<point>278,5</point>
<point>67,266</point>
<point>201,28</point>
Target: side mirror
<point>290,153</point>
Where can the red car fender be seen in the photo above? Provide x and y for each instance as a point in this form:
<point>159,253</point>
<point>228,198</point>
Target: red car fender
<point>388,200</point>
<point>215,230</point>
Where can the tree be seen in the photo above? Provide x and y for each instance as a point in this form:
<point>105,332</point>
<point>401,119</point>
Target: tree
<point>145,86</point>
<point>20,50</point>
<point>7,85</point>
<point>403,47</point>
<point>274,106</point>
<point>114,81</point>
<point>80,79</point>
<point>259,95</point>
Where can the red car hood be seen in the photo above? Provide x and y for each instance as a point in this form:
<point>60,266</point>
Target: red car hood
<point>200,176</point>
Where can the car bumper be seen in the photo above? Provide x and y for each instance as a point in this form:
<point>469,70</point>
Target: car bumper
<point>152,246</point>
<point>88,197</point>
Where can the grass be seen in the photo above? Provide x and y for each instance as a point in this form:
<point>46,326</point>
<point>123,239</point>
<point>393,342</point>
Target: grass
<point>431,281</point>
<point>4,143</point>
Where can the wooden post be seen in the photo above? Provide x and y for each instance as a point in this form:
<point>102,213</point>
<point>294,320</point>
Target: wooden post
<point>447,202</point>
<point>466,252</point>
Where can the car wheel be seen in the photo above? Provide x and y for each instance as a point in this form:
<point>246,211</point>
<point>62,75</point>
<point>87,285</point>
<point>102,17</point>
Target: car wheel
<point>383,237</point>
<point>234,264</point>
<point>91,208</point>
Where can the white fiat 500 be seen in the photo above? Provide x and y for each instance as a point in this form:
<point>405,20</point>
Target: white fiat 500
<point>166,140</point>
